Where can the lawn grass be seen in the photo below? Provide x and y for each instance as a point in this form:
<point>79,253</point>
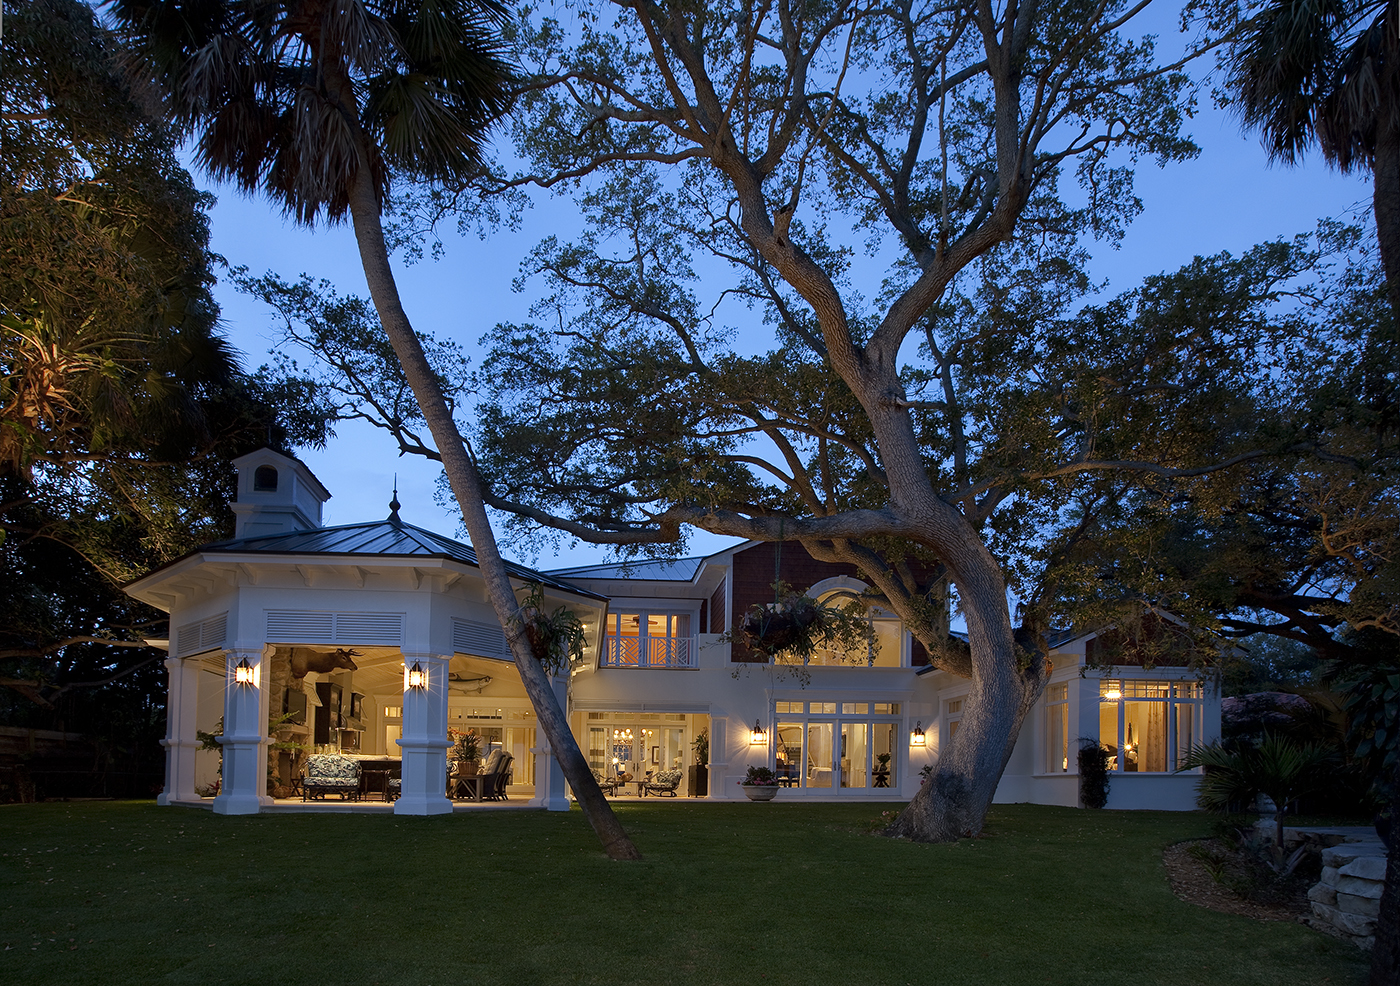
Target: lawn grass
<point>113,893</point>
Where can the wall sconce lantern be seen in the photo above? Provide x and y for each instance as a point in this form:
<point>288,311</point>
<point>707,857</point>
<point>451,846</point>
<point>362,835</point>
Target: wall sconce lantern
<point>243,673</point>
<point>758,737</point>
<point>417,677</point>
<point>917,738</point>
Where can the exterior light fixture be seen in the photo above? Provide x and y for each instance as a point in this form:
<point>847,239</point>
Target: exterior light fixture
<point>243,673</point>
<point>417,677</point>
<point>917,737</point>
<point>758,737</point>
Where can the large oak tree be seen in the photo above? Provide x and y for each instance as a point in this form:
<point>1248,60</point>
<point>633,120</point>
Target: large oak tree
<point>714,350</point>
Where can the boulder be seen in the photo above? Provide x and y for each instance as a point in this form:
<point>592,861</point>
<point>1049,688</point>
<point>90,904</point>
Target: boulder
<point>1366,868</point>
<point>1321,893</point>
<point>1366,907</point>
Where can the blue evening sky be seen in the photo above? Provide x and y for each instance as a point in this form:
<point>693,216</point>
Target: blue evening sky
<point>1227,199</point>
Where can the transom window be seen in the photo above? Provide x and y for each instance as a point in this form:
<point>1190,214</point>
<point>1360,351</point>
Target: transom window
<point>1149,725</point>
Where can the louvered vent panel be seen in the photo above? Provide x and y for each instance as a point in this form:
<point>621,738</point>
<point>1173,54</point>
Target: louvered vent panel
<point>187,639</point>
<point>213,631</point>
<point>369,628</point>
<point>473,637</point>
<point>292,626</point>
<point>204,635</point>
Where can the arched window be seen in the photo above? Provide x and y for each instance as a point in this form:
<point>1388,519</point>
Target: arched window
<point>265,479</point>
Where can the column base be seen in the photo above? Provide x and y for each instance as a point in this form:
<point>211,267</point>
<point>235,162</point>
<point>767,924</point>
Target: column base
<point>240,804</point>
<point>422,806</point>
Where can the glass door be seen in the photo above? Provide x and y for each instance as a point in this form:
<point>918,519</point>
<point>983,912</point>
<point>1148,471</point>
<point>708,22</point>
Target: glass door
<point>788,755</point>
<point>855,765</point>
<point>820,755</point>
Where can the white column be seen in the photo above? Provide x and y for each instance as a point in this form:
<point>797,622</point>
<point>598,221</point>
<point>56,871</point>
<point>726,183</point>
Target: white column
<point>181,711</point>
<point>424,742</point>
<point>245,742</point>
<point>551,790</point>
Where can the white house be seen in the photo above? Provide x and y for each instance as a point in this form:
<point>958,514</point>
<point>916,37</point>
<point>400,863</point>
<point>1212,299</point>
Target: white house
<point>316,629</point>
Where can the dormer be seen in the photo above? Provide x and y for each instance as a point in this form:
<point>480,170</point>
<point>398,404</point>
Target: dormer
<point>276,494</point>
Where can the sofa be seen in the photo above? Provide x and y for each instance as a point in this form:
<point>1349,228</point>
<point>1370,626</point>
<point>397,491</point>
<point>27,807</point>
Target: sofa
<point>330,773</point>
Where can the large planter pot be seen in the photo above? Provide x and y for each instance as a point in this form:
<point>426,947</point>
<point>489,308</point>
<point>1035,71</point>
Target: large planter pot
<point>759,792</point>
<point>699,781</point>
<point>467,768</point>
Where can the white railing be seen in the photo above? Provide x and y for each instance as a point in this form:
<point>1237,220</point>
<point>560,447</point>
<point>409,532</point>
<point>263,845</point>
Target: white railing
<point>649,652</point>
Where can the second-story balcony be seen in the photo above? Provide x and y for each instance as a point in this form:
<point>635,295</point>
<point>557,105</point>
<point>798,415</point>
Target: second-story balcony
<point>649,652</point>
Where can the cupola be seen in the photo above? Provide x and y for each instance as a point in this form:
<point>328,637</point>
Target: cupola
<point>276,494</point>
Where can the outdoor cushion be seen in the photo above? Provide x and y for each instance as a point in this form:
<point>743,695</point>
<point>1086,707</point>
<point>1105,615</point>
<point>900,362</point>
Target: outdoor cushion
<point>665,781</point>
<point>331,772</point>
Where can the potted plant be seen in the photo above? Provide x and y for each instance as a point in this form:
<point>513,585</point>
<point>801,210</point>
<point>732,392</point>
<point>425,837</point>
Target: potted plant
<point>882,770</point>
<point>465,751</point>
<point>760,784</point>
<point>700,770</point>
<point>795,625</point>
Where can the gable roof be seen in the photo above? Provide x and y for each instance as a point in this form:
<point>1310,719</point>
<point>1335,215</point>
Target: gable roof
<point>390,538</point>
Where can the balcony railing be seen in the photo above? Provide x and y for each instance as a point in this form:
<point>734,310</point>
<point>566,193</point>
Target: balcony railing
<point>649,652</point>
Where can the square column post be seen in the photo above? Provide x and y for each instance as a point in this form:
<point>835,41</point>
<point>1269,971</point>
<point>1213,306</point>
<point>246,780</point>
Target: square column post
<point>424,742</point>
<point>181,709</point>
<point>245,742</point>
<point>551,791</point>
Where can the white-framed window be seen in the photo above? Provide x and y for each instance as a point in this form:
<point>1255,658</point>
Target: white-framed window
<point>1057,728</point>
<point>837,745</point>
<point>649,638</point>
<point>952,715</point>
<point>1149,725</point>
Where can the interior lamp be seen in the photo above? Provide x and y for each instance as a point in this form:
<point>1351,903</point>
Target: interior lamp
<point>417,677</point>
<point>758,736</point>
<point>917,737</point>
<point>243,673</point>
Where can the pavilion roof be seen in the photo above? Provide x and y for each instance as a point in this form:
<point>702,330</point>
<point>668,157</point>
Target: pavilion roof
<point>391,538</point>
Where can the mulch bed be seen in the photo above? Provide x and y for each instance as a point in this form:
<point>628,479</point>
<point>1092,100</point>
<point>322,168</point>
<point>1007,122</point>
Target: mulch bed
<point>1192,880</point>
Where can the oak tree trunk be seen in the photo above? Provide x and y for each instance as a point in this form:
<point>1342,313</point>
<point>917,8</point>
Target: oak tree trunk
<point>1006,683</point>
<point>466,487</point>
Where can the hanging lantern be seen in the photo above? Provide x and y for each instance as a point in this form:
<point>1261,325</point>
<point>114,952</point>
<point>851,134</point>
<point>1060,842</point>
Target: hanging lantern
<point>758,737</point>
<point>917,737</point>
<point>243,673</point>
<point>417,677</point>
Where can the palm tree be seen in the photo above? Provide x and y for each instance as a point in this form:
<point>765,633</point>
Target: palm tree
<point>1280,768</point>
<point>320,104</point>
<point>1329,70</point>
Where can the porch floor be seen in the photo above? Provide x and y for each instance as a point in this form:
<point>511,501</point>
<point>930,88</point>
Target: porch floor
<point>294,805</point>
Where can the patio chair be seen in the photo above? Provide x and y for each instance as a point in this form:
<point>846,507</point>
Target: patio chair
<point>330,773</point>
<point>665,782</point>
<point>608,785</point>
<point>494,787</point>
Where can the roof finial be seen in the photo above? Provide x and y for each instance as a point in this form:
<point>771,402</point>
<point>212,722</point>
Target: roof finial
<point>394,503</point>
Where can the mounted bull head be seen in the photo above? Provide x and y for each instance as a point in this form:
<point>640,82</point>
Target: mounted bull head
<point>305,659</point>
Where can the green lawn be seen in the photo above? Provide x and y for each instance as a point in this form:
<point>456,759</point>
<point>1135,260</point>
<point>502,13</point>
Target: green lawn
<point>108,893</point>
